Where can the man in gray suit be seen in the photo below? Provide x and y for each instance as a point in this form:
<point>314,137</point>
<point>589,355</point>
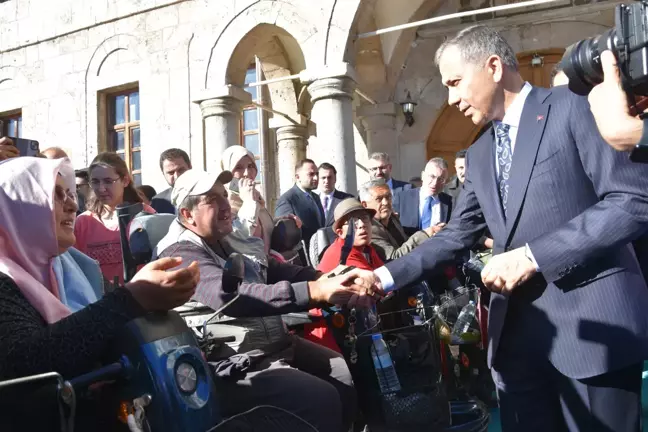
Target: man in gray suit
<point>568,328</point>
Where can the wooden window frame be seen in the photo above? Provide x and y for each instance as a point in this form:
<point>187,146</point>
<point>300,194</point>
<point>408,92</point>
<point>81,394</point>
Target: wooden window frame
<point>127,128</point>
<point>258,130</point>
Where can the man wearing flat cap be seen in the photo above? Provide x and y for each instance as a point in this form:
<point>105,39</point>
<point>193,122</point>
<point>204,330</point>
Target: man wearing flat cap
<point>293,373</point>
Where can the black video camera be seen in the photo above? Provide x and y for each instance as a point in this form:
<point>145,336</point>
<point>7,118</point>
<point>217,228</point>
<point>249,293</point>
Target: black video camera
<point>628,40</point>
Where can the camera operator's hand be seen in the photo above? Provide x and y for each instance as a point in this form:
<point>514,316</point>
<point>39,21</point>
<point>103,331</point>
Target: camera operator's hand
<point>7,149</point>
<point>609,106</point>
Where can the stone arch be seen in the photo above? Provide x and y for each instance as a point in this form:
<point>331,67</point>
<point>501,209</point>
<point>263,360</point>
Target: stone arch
<point>11,77</point>
<point>280,55</point>
<point>117,61</point>
<point>301,24</point>
<point>109,47</point>
<point>390,50</point>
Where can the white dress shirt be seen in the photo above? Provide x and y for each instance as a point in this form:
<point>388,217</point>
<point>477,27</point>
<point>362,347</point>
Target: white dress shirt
<point>330,199</point>
<point>512,118</point>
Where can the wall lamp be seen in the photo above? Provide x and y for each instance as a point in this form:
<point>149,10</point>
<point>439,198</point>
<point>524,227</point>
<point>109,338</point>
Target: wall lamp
<point>408,109</point>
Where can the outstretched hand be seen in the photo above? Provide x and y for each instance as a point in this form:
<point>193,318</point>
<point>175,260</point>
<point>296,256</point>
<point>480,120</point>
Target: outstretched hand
<point>156,287</point>
<point>354,289</point>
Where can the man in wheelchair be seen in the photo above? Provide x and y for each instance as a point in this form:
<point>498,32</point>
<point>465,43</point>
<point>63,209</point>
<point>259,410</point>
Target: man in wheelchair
<point>281,369</point>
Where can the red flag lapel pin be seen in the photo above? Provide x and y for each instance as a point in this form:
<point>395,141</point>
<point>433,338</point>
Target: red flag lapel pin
<point>540,118</point>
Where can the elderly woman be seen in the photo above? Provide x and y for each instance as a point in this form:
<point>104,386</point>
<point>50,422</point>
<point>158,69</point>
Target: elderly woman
<point>53,314</point>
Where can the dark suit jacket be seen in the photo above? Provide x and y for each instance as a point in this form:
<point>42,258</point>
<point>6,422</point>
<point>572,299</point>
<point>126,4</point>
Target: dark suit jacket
<point>391,242</point>
<point>407,203</point>
<point>452,188</point>
<point>338,196</point>
<point>161,202</point>
<point>578,204</point>
<point>399,186</point>
<point>294,201</point>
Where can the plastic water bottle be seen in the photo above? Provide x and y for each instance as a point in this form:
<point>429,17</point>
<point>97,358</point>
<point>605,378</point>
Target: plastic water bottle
<point>385,371</point>
<point>464,319</point>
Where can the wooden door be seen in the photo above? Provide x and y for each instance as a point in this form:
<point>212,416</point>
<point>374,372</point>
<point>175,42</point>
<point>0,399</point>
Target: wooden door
<point>452,131</point>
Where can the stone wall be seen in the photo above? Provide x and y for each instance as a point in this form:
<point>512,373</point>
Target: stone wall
<point>58,59</point>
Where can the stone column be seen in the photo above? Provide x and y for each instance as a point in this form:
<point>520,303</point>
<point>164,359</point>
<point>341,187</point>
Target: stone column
<point>380,123</point>
<point>292,140</point>
<point>331,93</point>
<point>221,112</point>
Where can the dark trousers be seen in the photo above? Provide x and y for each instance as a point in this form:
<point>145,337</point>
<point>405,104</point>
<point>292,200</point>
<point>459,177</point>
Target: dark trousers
<point>309,380</point>
<point>535,396</point>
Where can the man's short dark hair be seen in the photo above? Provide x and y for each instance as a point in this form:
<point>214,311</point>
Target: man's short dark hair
<point>461,154</point>
<point>327,166</point>
<point>148,191</point>
<point>558,67</point>
<point>174,153</point>
<point>82,174</point>
<point>303,162</point>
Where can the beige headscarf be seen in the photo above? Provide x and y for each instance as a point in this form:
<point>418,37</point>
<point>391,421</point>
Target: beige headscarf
<point>264,221</point>
<point>233,155</point>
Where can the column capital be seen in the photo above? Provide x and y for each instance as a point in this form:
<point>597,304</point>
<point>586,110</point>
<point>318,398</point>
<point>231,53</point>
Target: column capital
<point>378,116</point>
<point>330,81</point>
<point>292,132</point>
<point>227,100</point>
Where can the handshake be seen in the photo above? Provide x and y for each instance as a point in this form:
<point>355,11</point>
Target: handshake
<point>352,287</point>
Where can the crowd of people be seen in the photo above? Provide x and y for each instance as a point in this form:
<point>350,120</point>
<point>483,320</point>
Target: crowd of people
<point>557,206</point>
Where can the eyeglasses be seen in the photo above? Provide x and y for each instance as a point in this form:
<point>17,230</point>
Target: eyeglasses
<point>359,220</point>
<point>108,182</point>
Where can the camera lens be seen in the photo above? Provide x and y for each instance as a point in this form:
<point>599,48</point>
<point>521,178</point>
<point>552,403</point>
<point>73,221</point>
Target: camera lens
<point>582,61</point>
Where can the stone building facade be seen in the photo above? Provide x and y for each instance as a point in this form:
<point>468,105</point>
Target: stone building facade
<point>140,76</point>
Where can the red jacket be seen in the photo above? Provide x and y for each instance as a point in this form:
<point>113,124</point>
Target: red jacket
<point>357,258</point>
<point>319,332</point>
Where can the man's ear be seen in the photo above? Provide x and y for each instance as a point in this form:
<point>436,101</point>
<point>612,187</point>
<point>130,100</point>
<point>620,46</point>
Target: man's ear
<point>495,67</point>
<point>186,216</point>
<point>364,204</point>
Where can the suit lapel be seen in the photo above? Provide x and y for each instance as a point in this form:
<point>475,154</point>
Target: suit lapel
<point>532,125</point>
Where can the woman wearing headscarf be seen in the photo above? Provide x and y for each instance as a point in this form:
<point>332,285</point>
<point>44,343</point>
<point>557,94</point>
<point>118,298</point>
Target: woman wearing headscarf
<point>249,213</point>
<point>53,314</point>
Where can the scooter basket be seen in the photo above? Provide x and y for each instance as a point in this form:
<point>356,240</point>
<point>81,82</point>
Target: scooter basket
<point>421,404</point>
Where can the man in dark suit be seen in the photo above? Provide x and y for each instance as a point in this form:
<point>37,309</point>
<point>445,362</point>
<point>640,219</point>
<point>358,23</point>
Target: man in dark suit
<point>568,328</point>
<point>453,186</point>
<point>380,167</point>
<point>329,196</point>
<point>387,234</point>
<point>300,200</point>
<point>173,163</point>
<point>427,206</point>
